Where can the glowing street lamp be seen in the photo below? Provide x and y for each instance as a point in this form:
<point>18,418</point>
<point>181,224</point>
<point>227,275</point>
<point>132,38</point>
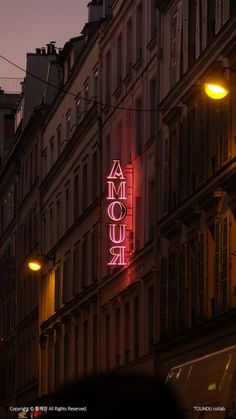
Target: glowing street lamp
<point>35,265</point>
<point>216,87</point>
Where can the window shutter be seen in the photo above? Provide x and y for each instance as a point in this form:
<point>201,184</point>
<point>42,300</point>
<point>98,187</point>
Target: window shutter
<point>163,297</point>
<point>165,172</point>
<point>225,131</point>
<point>225,11</point>
<point>183,292</point>
<point>197,34</point>
<point>225,265</point>
<point>184,168</point>
<point>203,21</point>
<point>217,265</point>
<point>201,290</point>
<point>217,15</point>
<point>185,35</point>
<point>179,39</point>
<point>203,141</point>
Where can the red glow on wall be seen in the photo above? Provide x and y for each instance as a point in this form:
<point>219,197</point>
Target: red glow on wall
<point>119,209</point>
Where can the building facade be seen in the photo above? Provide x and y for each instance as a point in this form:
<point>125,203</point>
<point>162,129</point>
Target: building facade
<point>125,190</point>
<point>196,210</point>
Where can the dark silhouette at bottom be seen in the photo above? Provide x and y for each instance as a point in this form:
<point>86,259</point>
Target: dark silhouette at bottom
<point>110,396</point>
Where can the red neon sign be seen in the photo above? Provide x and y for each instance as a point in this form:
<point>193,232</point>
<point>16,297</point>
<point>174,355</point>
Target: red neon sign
<point>117,211</point>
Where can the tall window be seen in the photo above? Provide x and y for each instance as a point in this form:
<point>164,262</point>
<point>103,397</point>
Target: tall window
<point>150,317</point>
<point>173,47</point>
<point>58,288</point>
<point>153,20</point>
<point>58,218</point>
<point>58,360</point>
<point>151,209</point>
<point>107,77</point>
<point>139,31</point>
<point>138,126</point>
<point>94,242</point>
<point>107,342</point>
<point>85,186</point>
<point>136,327</point>
<point>95,342</point>
<point>67,208</point>
<point>84,273</point>
<point>77,351</point>
<point>127,331</point>
<point>119,61</point>
<point>59,140</point>
<point>68,125</point>
<point>117,337</point>
<point>78,108</point>
<point>86,95</point>
<point>85,341</point>
<point>95,175</point>
<point>129,45</point>
<point>51,225</point>
<point>152,106</point>
<point>95,83</point>
<point>76,197</point>
<point>52,151</point>
<point>66,278</point>
<point>76,269</point>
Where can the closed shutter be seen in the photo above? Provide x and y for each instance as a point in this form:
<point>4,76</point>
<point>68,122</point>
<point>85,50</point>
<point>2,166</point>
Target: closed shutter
<point>225,131</point>
<point>183,306</point>
<point>185,35</point>
<point>164,297</point>
<point>201,289</point>
<point>57,288</point>
<point>217,15</point>
<point>165,172</point>
<point>217,265</point>
<point>225,265</point>
<point>225,11</point>
<point>203,21</point>
<point>179,39</point>
<point>197,33</point>
<point>203,141</point>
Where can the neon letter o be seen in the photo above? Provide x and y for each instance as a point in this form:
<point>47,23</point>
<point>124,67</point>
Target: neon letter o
<point>122,209</point>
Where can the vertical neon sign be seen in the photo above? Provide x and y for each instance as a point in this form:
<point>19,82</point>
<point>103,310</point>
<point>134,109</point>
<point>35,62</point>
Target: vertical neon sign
<point>117,211</point>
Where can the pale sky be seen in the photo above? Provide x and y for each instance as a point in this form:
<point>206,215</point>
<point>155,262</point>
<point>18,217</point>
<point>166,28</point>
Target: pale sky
<point>29,24</point>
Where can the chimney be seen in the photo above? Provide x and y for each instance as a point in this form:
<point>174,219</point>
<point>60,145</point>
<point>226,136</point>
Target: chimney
<point>38,50</point>
<point>94,11</point>
<point>43,50</point>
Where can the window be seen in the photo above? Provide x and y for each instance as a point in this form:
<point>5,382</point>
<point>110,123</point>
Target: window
<point>67,208</point>
<point>95,83</point>
<point>152,107</point>
<point>51,152</point>
<point>107,78</point>
<point>139,31</point>
<point>138,126</point>
<point>85,341</point>
<point>94,242</point>
<point>68,125</point>
<point>78,108</point>
<point>66,278</point>
<point>36,161</point>
<point>95,342</point>
<point>76,269</point>
<point>31,179</point>
<point>84,272</point>
<point>76,197</point>
<point>58,360</point>
<point>107,342</point>
<point>77,350</point>
<point>119,61</point>
<point>58,218</point>
<point>108,155</point>
<point>151,209</point>
<point>117,337</point>
<point>58,288</point>
<point>59,140</point>
<point>129,45</point>
<point>150,317</point>
<point>85,186</point>
<point>138,222</point>
<point>136,327</point>
<point>153,20</point>
<point>51,226</point>
<point>95,175</point>
<point>127,331</point>
<point>173,47</point>
<point>86,95</point>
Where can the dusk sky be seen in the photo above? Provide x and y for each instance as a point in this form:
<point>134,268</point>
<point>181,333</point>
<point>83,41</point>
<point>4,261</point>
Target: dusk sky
<point>29,24</point>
